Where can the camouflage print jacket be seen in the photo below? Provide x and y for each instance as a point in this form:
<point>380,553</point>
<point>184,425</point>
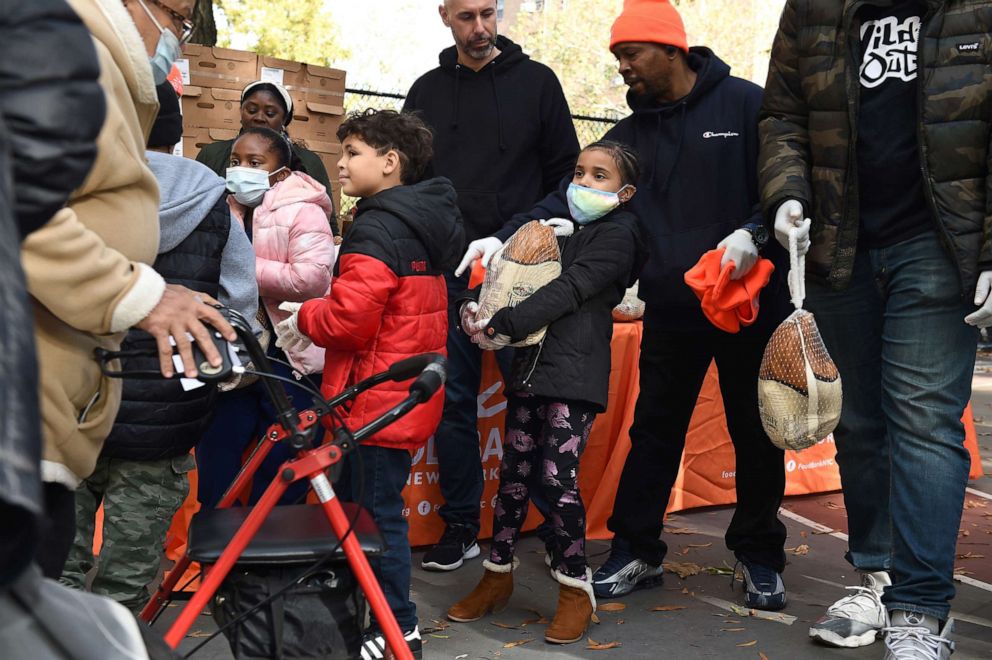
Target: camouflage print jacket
<point>808,128</point>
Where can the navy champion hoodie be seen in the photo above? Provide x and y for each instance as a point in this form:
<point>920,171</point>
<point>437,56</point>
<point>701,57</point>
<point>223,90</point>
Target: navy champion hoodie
<point>503,135</point>
<point>698,183</point>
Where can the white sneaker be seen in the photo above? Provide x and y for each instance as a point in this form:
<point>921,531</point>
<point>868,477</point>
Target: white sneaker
<point>912,639</point>
<point>857,619</point>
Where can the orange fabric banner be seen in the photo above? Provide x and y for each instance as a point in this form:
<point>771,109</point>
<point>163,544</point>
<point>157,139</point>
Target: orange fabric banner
<point>705,479</point>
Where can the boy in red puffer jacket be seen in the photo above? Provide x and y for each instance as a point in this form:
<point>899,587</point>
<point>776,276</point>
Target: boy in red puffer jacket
<point>388,302</point>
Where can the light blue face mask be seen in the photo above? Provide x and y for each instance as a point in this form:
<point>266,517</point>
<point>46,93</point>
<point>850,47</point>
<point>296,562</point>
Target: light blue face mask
<point>588,204</point>
<point>167,51</point>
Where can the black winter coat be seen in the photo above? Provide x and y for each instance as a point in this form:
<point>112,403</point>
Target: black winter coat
<point>573,361</point>
<point>157,418</point>
<point>503,135</point>
<point>52,103</point>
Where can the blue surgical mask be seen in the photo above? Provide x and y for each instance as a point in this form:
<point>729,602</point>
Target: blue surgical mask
<point>248,184</point>
<point>167,51</point>
<point>589,204</point>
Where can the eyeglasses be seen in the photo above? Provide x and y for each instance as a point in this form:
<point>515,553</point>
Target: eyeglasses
<point>187,25</point>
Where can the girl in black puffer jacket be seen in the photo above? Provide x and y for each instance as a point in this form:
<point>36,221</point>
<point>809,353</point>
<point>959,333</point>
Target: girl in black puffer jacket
<point>559,386</point>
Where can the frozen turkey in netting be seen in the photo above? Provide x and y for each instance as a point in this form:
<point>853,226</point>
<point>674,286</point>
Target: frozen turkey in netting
<point>799,387</point>
<point>526,262</point>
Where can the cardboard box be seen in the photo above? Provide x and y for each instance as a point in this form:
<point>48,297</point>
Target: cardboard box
<point>287,73</point>
<point>212,108</point>
<point>195,138</point>
<point>220,67</point>
<point>324,85</point>
<point>317,121</point>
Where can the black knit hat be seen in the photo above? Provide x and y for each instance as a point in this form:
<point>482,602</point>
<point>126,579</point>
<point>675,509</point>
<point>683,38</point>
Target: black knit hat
<point>168,127</point>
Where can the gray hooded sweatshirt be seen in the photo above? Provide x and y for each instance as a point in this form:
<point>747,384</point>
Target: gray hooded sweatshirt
<point>189,190</point>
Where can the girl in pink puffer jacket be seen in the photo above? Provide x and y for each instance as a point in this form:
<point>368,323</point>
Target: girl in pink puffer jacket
<point>286,215</point>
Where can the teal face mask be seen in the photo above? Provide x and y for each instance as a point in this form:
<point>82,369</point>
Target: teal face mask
<point>588,204</point>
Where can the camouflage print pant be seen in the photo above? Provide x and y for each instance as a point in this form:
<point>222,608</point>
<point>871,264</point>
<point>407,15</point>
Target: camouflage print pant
<point>139,500</point>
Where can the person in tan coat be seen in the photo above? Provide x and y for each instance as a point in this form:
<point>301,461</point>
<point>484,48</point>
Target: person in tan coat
<point>88,270</point>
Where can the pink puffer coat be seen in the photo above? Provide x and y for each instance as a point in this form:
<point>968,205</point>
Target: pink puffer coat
<point>294,252</point>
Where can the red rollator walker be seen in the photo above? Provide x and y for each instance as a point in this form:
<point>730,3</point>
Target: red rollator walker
<point>219,538</point>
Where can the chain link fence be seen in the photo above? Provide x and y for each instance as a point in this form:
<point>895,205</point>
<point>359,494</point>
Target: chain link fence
<point>588,128</point>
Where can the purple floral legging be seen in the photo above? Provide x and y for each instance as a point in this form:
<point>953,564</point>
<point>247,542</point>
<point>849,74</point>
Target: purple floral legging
<point>544,439</point>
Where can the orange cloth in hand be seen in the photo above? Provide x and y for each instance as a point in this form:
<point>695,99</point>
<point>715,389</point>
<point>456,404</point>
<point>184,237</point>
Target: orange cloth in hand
<point>727,303</point>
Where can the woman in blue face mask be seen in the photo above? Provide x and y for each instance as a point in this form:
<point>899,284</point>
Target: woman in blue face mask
<point>267,105</point>
<point>285,214</point>
<point>559,386</point>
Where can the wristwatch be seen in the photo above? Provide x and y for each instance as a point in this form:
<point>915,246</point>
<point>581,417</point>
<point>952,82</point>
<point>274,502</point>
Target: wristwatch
<point>759,235</point>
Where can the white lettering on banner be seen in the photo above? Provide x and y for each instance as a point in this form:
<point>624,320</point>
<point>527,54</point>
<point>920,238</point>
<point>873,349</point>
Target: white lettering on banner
<point>428,452</point>
<point>493,474</point>
<point>827,462</point>
<point>485,395</point>
<point>890,51</point>
<point>424,507</point>
<point>726,134</point>
<point>494,445</point>
<point>728,475</point>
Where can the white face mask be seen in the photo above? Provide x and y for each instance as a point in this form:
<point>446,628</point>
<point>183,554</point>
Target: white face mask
<point>248,184</point>
<point>167,51</point>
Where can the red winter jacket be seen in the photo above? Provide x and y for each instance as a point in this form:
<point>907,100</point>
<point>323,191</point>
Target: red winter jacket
<point>389,301</point>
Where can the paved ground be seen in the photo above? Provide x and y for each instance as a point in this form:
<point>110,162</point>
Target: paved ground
<point>699,616</point>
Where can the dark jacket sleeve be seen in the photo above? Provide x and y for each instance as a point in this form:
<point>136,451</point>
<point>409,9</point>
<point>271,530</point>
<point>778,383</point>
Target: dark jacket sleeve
<point>559,144</point>
<point>604,261</point>
<point>752,108</point>
<point>51,102</point>
<point>554,205</point>
<point>784,160</point>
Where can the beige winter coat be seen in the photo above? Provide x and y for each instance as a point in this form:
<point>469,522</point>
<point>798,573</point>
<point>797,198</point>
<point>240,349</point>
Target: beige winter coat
<point>86,268</point>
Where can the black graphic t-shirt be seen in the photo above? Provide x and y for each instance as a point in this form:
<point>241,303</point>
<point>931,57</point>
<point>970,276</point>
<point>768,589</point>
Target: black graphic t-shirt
<point>892,206</point>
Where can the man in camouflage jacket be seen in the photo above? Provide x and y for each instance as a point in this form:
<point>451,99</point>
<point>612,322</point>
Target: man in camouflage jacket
<point>875,126</point>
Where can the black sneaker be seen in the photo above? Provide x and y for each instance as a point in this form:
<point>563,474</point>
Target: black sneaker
<point>763,587</point>
<point>374,644</point>
<point>457,544</point>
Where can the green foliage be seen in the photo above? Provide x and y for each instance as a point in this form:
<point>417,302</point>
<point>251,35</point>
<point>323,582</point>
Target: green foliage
<point>299,30</point>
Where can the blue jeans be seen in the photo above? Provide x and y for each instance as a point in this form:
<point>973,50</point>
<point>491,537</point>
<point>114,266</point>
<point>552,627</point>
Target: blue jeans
<point>906,359</point>
<point>240,417</point>
<point>383,475</point>
<point>457,436</point>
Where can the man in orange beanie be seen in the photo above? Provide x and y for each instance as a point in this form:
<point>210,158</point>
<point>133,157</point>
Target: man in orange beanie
<point>696,129</point>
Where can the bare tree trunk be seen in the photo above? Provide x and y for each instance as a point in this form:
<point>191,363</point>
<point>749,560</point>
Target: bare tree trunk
<point>206,29</point>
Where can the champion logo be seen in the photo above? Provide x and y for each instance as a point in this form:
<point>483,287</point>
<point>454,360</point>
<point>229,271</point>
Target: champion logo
<point>965,48</point>
<point>725,134</point>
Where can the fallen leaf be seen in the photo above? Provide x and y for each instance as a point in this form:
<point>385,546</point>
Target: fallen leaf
<point>682,569</point>
<point>459,657</point>
<point>593,645</point>
<point>733,629</point>
<point>975,504</point>
<point>751,643</point>
<point>519,642</point>
<point>620,622</point>
<point>700,545</point>
<point>508,626</point>
<point>970,555</point>
<point>740,611</point>
<point>803,534</point>
<point>440,636</point>
<point>825,531</point>
<point>719,570</point>
<point>612,607</point>
<point>681,530</point>
<point>594,618</point>
<point>685,590</point>
<point>832,505</point>
<point>538,620</point>
<point>799,550</point>
<point>198,634</point>
<point>762,656</point>
<point>667,608</point>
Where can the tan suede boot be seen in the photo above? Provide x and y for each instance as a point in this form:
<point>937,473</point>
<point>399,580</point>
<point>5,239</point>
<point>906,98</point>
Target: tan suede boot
<point>576,604</point>
<point>489,596</point>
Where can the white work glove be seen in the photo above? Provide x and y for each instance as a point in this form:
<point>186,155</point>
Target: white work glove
<point>470,325</point>
<point>563,226</point>
<point>288,335</point>
<point>982,317</point>
<point>482,248</point>
<point>789,215</point>
<point>740,249</point>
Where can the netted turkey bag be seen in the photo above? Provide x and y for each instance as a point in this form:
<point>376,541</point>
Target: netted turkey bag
<point>631,307</point>
<point>526,262</point>
<point>799,389</point>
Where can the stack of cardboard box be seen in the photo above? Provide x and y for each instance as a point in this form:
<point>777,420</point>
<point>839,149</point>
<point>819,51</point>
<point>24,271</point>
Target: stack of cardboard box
<point>214,78</point>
